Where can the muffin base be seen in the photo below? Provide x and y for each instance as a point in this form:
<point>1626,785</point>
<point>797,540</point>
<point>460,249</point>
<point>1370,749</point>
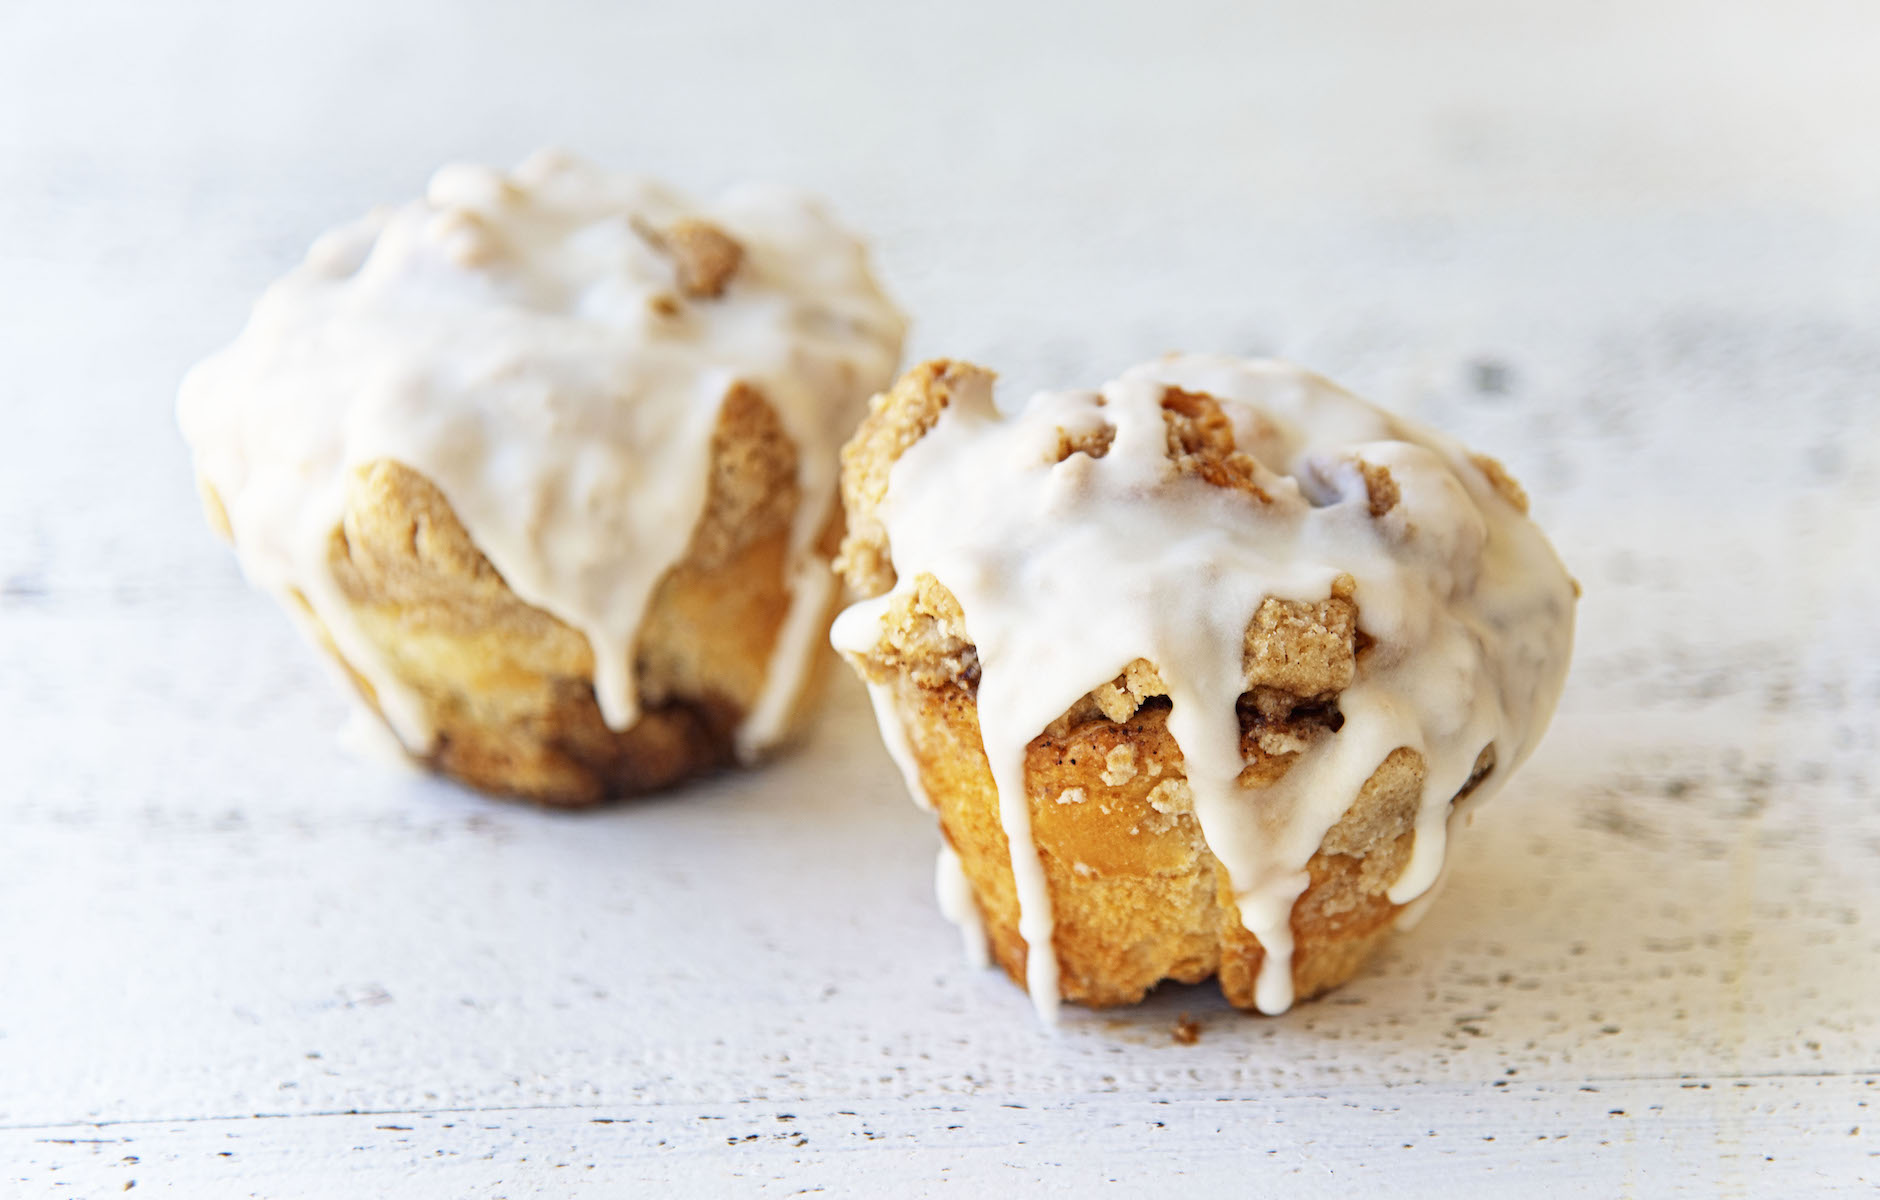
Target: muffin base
<point>508,688</point>
<point>1137,896</point>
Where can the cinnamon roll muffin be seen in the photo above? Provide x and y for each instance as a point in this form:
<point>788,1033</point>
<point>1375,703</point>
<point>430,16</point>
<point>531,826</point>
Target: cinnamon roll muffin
<point>1195,670</point>
<point>546,460</point>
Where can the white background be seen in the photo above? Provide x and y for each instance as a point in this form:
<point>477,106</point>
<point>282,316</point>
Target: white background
<point>1633,249</point>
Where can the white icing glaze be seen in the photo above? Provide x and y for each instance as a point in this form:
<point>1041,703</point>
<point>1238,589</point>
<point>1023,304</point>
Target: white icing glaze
<point>812,584</point>
<point>520,340</point>
<point>1068,571</point>
<point>900,749</point>
<point>955,894</point>
<point>365,737</point>
<point>950,886</point>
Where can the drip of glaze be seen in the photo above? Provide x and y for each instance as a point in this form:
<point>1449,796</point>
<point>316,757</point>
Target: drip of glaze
<point>369,739</point>
<point>1069,570</point>
<point>951,887</point>
<point>900,749</point>
<point>812,584</point>
<point>519,340</point>
<point>955,894</point>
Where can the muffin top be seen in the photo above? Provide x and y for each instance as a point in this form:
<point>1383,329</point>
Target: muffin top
<point>550,347</point>
<point>1228,534</point>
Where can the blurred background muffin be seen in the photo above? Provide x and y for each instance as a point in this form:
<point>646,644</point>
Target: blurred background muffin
<point>546,461</point>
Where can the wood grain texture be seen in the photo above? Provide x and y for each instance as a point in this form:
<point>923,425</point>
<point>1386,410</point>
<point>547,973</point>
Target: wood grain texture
<point>1632,252</point>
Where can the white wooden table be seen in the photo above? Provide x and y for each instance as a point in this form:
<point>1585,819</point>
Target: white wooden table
<point>1633,250</point>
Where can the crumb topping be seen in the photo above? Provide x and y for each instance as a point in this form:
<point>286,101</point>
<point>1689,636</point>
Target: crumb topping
<point>706,256</point>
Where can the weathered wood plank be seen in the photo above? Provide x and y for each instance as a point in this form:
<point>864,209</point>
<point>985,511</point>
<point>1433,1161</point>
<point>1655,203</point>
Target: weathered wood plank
<point>1631,252</point>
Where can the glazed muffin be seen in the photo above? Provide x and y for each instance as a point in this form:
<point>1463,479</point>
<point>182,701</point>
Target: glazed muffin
<point>546,461</point>
<point>1194,670</point>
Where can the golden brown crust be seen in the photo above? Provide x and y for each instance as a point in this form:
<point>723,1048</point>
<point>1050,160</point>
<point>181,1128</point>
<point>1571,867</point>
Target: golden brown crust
<point>1136,893</point>
<point>509,687</point>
